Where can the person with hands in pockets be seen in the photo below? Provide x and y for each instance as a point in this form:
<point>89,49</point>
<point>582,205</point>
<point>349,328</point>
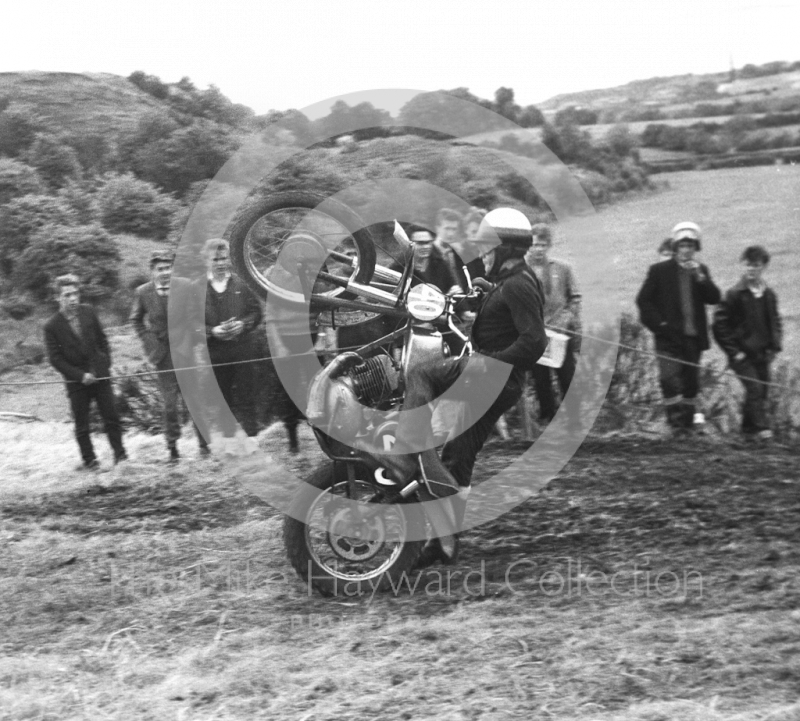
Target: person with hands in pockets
<point>748,327</point>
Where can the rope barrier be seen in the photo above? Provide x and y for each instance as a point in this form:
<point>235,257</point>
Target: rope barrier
<point>171,370</point>
<point>566,331</point>
<point>641,351</point>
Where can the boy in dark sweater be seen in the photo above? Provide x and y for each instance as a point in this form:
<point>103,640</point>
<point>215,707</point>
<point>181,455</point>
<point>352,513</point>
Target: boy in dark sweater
<point>748,328</point>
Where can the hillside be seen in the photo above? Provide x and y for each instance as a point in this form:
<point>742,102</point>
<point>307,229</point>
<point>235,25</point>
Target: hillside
<point>89,102</point>
<point>678,92</point>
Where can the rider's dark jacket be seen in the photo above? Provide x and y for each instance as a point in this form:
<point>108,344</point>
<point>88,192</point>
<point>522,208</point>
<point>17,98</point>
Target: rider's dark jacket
<point>510,322</point>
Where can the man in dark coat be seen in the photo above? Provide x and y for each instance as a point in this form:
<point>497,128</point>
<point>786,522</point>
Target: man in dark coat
<point>78,349</point>
<point>232,313</point>
<point>672,305</point>
<point>748,327</point>
<point>165,345</point>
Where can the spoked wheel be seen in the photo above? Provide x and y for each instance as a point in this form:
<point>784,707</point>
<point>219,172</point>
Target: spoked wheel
<point>346,549</point>
<point>281,244</point>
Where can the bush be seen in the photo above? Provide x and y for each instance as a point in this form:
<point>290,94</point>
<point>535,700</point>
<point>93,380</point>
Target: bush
<point>22,217</point>
<point>56,162</point>
<point>130,205</point>
<point>17,179</point>
<point>18,128</point>
<point>752,142</point>
<point>634,400</point>
<point>620,140</point>
<point>86,250</point>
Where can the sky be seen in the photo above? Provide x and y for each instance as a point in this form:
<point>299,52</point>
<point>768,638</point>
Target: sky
<point>280,55</point>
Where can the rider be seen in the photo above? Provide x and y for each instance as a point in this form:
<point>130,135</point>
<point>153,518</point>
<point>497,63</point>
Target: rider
<point>509,327</point>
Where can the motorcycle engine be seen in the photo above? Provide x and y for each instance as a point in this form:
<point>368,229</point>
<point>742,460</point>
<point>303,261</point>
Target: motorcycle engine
<point>374,380</point>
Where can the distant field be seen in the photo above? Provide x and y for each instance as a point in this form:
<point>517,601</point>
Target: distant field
<point>599,131</point>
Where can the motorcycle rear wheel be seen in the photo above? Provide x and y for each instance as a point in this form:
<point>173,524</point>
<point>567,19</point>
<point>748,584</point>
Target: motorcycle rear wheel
<point>337,564</point>
<point>283,229</point>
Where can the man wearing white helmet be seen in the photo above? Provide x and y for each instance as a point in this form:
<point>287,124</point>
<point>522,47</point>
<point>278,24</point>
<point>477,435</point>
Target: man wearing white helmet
<point>509,327</point>
<point>672,305</point>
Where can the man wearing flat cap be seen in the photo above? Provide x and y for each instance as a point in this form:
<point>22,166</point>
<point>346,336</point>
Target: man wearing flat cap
<point>165,345</point>
<point>672,304</point>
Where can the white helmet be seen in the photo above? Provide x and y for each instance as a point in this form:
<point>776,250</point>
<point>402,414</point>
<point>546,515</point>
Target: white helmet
<point>508,225</point>
<point>686,231</point>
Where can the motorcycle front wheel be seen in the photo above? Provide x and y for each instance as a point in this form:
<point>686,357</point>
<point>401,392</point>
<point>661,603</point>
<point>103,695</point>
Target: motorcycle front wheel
<point>338,551</point>
<point>280,244</point>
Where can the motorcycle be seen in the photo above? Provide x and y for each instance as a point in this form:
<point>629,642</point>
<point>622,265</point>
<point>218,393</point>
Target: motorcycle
<point>350,528</point>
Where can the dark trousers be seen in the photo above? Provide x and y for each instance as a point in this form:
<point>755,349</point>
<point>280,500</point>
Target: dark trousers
<point>171,420</point>
<point>236,385</point>
<point>679,378</point>
<point>428,381</point>
<point>754,411</point>
<point>543,384</point>
<point>80,399</point>
<point>293,370</point>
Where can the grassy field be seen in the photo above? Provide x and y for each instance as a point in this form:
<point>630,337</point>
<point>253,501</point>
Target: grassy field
<point>651,581</point>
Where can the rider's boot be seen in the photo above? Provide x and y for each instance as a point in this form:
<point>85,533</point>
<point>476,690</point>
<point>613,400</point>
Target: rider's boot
<point>426,465</point>
<point>439,480</point>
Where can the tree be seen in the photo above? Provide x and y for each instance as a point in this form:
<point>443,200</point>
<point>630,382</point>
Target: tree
<point>276,123</point>
<point>151,127</point>
<point>457,112</point>
<point>530,117</point>
<point>346,119</point>
<point>17,179</point>
<point>18,129</point>
<point>21,218</point>
<point>187,155</point>
<point>130,205</point>
<point>574,115</point>
<point>56,162</point>
<point>151,84</point>
<point>620,140</point>
<point>651,135</point>
<point>504,104</point>
<point>96,151</point>
<point>569,143</point>
<point>86,250</point>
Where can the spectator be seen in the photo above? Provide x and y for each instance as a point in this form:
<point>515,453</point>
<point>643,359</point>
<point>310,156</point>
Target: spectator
<point>232,313</point>
<point>472,223</point>
<point>748,328</point>
<point>665,249</point>
<point>78,349</point>
<point>163,344</point>
<point>448,232</point>
<point>672,304</point>
<point>561,314</point>
<point>291,340</point>
<point>430,266</point>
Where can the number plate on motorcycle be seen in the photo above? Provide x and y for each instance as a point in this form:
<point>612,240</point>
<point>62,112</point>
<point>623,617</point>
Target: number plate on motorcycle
<point>425,302</point>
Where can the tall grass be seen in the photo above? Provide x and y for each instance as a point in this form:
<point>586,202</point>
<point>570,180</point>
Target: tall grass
<point>634,400</point>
